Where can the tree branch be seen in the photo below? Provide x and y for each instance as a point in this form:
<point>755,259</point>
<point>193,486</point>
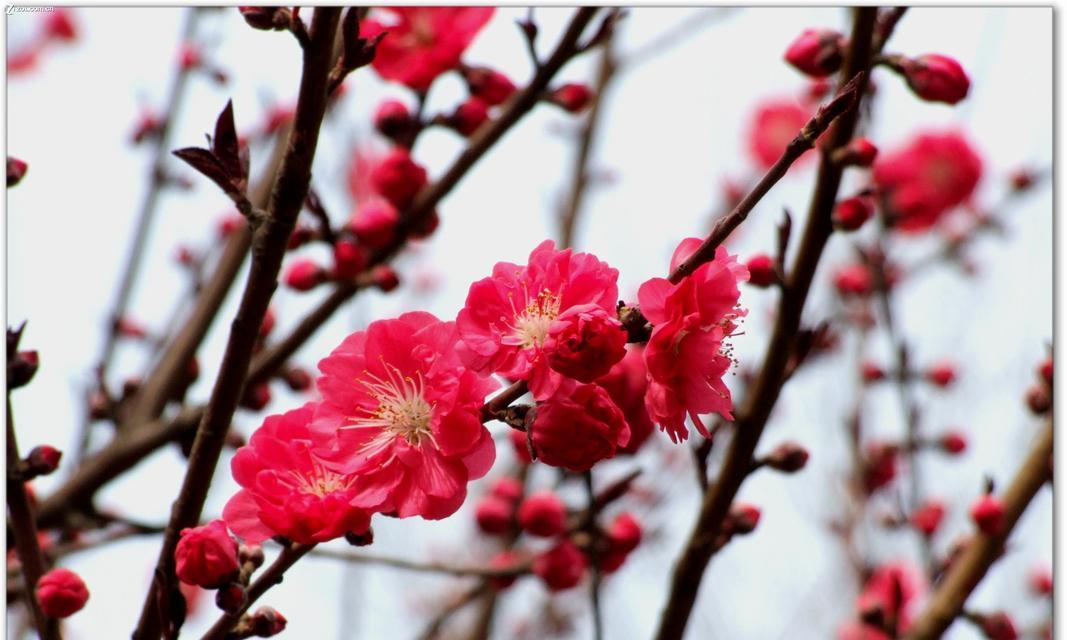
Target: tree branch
<point>983,550</point>
<point>268,247</point>
<point>760,400</point>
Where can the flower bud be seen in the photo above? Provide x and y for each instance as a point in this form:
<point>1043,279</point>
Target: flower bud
<point>854,280</point>
<point>1021,180</point>
<point>1041,581</point>
<point>584,342</point>
<point>349,258</point>
<point>936,78</point>
<point>265,18</point>
<point>424,226</point>
<point>880,465</point>
<point>851,213</point>
<point>231,597</point>
<point>228,223</point>
<point>398,178</point>
<point>1045,370</point>
<point>761,271</point>
<point>494,515</point>
<point>189,56</point>
<point>573,97</point>
<point>297,379</point>
<point>256,398</point>
<point>60,26</point>
<point>953,442</point>
<point>469,116</point>
<point>16,169</point>
<point>1038,399</point>
<point>941,374</point>
<point>61,593</point>
<point>266,622</point>
<point>375,224</point>
<point>385,278</point>
<point>928,517</point>
<point>788,457</point>
<point>742,518</point>
<point>998,626</point>
<point>624,533</point>
<point>268,323</point>
<point>41,461</point>
<point>871,372</point>
<point>817,52</point>
<point>251,553</point>
<point>206,556</point>
<point>489,85</point>
<point>521,447</point>
<point>543,514</point>
<point>507,488</point>
<point>392,118</point>
<point>988,514</point>
<point>21,369</point>
<point>304,275</point>
<point>561,567</point>
<point>860,152</point>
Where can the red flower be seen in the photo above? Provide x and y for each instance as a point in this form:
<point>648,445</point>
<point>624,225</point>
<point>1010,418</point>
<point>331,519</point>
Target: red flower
<point>61,593</point>
<point>934,173</point>
<point>927,518</point>
<point>505,324</point>
<point>288,490</point>
<point>421,43</point>
<point>685,354</point>
<point>398,178</point>
<point>774,125</point>
<point>543,514</point>
<point>816,52</point>
<point>988,514</point>
<point>561,567</point>
<point>891,593</point>
<point>584,342</point>
<point>578,426</point>
<point>206,556</point>
<point>626,383</point>
<point>407,415</point>
<point>936,78</point>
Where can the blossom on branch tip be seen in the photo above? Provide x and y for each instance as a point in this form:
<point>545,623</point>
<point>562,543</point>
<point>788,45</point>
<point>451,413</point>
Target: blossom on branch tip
<point>304,275</point>
<point>505,324</point>
<point>469,116</point>
<point>206,556</point>
<point>421,43</point>
<point>687,354</point>
<point>817,52</point>
<point>761,271</point>
<point>572,97</point>
<point>928,517</point>
<point>406,415</point>
<point>488,84</point>
<point>584,342</point>
<point>543,514</point>
<point>494,515</point>
<point>936,78</point>
<point>578,426</point>
<point>891,594</point>
<point>988,514</point>
<point>392,118</point>
<point>398,178</point>
<point>61,593</point>
<point>288,489</point>
<point>561,567</point>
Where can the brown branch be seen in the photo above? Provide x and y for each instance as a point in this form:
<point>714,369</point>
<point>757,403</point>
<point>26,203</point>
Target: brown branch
<point>983,550</point>
<point>433,630</point>
<point>24,531</point>
<point>761,398</point>
<point>271,576</point>
<point>268,247</point>
<point>842,104</point>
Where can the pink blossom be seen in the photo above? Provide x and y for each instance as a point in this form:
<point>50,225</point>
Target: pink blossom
<point>206,556</point>
<point>407,416</point>
<point>774,124</point>
<point>508,316</point>
<point>892,592</point>
<point>421,43</point>
<point>626,383</point>
<point>287,489</point>
<point>685,354</point>
<point>584,342</point>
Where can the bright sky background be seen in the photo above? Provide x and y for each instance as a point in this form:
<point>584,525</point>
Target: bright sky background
<point>673,131</point>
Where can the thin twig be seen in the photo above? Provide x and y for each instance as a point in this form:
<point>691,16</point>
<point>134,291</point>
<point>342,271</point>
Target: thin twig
<point>761,398</point>
<point>983,550</point>
<point>24,531</point>
<point>594,556</point>
<point>517,569</point>
<point>269,244</point>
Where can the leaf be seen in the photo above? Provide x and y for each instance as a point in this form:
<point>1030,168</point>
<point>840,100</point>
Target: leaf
<point>225,146</point>
<point>207,164</point>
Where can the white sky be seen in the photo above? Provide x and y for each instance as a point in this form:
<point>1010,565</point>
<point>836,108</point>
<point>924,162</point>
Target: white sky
<point>672,132</point>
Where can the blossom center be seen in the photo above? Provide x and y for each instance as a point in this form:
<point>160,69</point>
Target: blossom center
<point>402,408</point>
<point>320,482</point>
<point>533,321</point>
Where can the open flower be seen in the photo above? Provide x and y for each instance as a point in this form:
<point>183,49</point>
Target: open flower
<point>287,489</point>
<point>421,43</point>
<point>507,319</point>
<point>406,415</point>
<point>686,355</point>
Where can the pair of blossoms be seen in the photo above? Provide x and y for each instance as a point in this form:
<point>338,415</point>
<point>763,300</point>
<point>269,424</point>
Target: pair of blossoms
<point>399,429</point>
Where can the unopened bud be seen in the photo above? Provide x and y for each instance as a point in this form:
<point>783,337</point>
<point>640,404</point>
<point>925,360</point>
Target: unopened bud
<point>385,278</point>
<point>360,539</point>
<point>743,518</point>
<point>761,272</point>
<point>488,84</point>
<point>572,97</point>
<point>788,457</point>
<point>251,553</point>
<point>266,622</point>
<point>817,52</point>
<point>231,597</point>
<point>297,379</point>
<point>851,213</point>
<point>304,275</point>
<point>16,169</point>
<point>936,78</point>
<point>21,369</point>
<point>469,116</point>
<point>1038,399</point>
<point>265,18</point>
<point>40,461</point>
<point>392,118</point>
